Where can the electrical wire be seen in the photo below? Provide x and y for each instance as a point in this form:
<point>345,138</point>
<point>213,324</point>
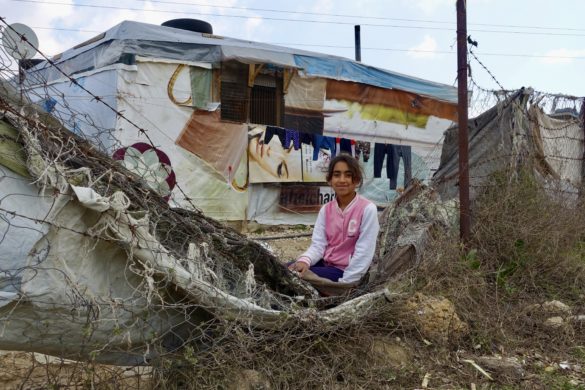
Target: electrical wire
<point>300,44</point>
<point>182,12</point>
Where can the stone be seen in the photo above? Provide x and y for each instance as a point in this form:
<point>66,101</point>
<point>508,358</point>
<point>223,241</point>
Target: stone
<point>387,352</point>
<point>549,308</point>
<point>250,380</point>
<point>436,318</point>
<point>505,366</point>
<point>556,307</point>
<point>554,322</point>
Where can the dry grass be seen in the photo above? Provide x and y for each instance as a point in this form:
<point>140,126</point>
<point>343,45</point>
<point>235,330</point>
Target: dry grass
<point>527,248</point>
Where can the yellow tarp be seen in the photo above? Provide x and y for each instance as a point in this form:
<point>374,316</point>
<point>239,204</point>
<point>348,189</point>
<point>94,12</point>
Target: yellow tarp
<point>11,151</point>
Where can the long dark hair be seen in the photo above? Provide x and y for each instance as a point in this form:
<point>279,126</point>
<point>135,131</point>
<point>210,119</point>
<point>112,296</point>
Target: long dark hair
<point>352,163</point>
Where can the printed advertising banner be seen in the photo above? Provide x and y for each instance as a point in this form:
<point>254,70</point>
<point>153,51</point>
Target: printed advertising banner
<point>304,198</point>
<point>274,155</point>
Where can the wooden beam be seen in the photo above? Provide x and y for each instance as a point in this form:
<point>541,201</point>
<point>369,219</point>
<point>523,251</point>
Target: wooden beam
<point>253,71</point>
<point>287,77</point>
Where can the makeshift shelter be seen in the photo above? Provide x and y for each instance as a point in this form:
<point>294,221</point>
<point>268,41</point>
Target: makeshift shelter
<point>203,110</point>
<point>96,265</point>
<point>514,136</point>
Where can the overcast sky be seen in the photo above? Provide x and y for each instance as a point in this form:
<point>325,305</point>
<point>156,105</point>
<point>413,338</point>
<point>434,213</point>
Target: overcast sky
<point>537,43</point>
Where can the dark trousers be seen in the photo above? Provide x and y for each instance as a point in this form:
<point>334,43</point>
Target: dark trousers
<point>325,271</point>
<point>394,153</point>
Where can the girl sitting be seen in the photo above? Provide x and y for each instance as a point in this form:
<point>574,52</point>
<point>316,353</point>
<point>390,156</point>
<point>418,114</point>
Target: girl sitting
<point>345,233</point>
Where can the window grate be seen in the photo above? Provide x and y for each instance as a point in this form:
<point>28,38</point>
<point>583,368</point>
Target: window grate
<point>263,105</point>
<point>233,101</point>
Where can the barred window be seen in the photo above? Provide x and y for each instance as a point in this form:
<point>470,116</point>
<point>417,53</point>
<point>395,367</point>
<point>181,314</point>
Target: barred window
<point>234,91</point>
<point>262,104</point>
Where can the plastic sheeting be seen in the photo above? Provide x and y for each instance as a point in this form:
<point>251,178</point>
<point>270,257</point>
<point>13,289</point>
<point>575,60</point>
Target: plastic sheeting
<point>511,136</point>
<point>352,123</point>
<point>209,189</point>
<point>498,139</point>
<point>221,144</point>
<point>127,39</point>
<point>50,270</point>
<point>344,69</point>
<point>560,143</point>
<point>221,193</point>
<point>78,110</point>
<point>216,185</point>
<point>136,90</point>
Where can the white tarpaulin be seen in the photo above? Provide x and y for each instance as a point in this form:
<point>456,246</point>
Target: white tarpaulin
<point>562,145</point>
<point>50,269</point>
<point>145,104</point>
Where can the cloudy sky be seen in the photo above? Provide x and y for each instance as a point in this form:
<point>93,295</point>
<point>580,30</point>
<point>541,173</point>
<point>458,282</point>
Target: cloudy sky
<point>537,43</point>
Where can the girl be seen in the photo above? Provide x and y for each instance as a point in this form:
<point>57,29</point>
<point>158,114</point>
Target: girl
<point>345,233</point>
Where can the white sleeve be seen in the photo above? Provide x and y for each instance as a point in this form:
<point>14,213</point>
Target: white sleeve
<point>364,247</point>
<point>318,241</point>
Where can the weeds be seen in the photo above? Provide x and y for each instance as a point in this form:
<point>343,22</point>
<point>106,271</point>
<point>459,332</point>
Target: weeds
<point>526,248</point>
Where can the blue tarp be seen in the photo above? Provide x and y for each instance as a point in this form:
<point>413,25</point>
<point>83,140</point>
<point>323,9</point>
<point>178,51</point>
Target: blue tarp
<point>343,69</point>
<point>149,40</point>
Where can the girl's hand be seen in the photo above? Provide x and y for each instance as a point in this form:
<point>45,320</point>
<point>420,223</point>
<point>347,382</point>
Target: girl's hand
<point>300,266</point>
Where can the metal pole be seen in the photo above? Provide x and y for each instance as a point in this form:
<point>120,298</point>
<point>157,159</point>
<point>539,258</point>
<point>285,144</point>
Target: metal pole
<point>582,117</point>
<point>462,115</point>
<point>21,77</point>
<point>358,43</point>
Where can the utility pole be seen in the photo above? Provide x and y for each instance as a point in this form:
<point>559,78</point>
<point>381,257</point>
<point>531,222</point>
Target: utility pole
<point>462,117</point>
<point>582,117</point>
<point>358,43</point>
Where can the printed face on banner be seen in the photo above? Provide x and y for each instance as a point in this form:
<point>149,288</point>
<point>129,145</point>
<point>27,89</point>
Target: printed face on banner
<point>269,160</point>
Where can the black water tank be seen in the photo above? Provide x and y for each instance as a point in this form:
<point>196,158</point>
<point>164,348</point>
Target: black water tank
<point>30,63</point>
<point>194,25</point>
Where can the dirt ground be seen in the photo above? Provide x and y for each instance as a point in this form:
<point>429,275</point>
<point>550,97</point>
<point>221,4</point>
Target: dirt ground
<point>28,370</point>
<point>287,243</point>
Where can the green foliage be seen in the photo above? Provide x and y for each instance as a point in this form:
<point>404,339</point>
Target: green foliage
<point>509,266</point>
<point>189,355</point>
<point>556,380</point>
<point>472,259</point>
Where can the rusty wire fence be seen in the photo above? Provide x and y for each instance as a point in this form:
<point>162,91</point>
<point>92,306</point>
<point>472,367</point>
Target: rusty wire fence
<point>103,285</point>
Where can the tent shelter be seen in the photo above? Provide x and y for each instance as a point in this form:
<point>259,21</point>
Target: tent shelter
<point>204,111</point>
<point>97,266</point>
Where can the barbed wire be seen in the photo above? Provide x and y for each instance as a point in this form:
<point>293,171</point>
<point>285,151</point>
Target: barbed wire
<point>186,338</point>
<point>101,100</point>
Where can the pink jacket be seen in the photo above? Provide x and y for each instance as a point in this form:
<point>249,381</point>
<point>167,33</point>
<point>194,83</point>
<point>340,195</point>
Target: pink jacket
<point>345,239</point>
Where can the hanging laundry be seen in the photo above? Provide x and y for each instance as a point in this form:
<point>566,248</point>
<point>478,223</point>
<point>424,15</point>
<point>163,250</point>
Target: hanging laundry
<point>394,153</point>
<point>362,148</point>
<point>345,145</point>
<point>306,138</point>
<point>294,136</point>
<point>322,142</point>
<point>271,131</point>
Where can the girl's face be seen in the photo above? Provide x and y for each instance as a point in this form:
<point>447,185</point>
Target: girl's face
<point>342,180</point>
<point>270,157</point>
